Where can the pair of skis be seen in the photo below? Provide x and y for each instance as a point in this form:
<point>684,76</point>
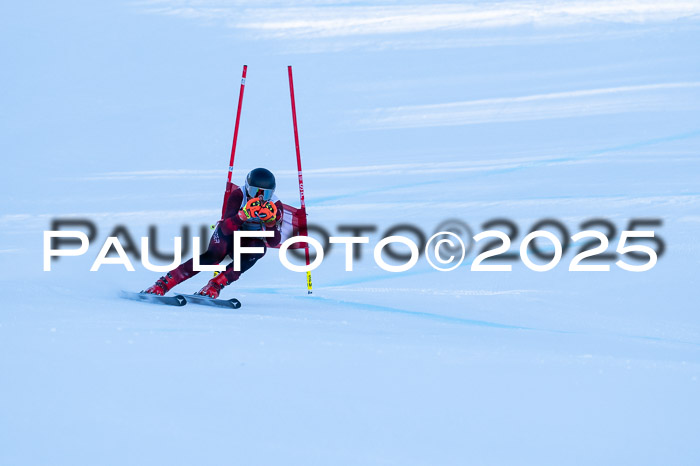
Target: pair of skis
<point>181,299</point>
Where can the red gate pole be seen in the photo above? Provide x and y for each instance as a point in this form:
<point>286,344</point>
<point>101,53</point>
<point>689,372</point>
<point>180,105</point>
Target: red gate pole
<point>303,231</point>
<point>235,140</point>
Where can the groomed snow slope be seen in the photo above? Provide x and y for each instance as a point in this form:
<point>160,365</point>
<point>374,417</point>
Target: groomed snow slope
<point>123,115</point>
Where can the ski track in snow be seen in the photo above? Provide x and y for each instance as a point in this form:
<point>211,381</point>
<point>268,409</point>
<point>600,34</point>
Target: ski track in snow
<point>369,307</point>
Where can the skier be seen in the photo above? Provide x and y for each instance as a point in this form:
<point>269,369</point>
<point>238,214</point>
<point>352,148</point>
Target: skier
<point>253,207</point>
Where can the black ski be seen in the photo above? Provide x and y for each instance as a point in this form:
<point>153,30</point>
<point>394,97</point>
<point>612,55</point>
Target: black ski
<point>207,301</point>
<point>177,300</point>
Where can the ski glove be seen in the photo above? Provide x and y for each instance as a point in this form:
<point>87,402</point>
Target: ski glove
<point>250,210</point>
<point>265,211</point>
<point>268,213</point>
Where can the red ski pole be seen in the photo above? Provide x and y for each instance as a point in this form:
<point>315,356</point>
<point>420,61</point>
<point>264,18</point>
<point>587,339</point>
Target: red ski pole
<point>303,231</point>
<point>233,145</point>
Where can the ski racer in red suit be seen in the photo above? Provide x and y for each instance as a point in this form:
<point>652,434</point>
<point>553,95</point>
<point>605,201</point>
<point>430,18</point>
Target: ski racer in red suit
<point>251,207</point>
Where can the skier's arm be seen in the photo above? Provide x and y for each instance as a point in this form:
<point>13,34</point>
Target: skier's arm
<point>231,221</point>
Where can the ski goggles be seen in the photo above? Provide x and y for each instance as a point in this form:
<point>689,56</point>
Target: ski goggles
<point>254,191</point>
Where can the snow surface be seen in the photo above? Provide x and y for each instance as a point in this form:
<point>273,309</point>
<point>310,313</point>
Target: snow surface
<point>122,113</point>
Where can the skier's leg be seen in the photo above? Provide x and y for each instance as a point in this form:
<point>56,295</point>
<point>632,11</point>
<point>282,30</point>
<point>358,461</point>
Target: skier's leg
<point>215,253</point>
<point>213,288</point>
<point>247,260</point>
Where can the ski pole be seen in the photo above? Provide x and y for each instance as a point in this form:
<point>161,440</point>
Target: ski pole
<point>235,140</point>
<point>302,225</point>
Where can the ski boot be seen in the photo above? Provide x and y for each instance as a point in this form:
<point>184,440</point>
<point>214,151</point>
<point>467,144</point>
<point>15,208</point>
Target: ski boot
<point>214,287</point>
<point>162,285</point>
